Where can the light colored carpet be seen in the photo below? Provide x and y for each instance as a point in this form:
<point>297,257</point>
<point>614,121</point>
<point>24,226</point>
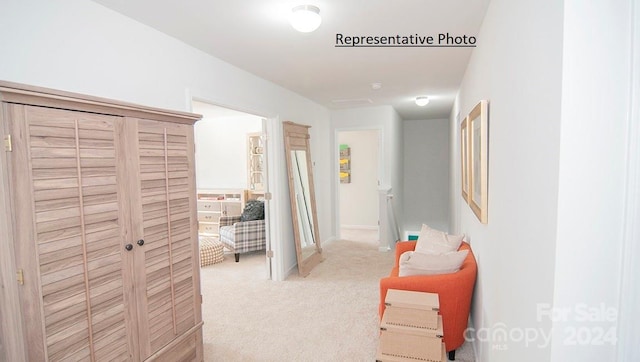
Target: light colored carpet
<point>331,315</point>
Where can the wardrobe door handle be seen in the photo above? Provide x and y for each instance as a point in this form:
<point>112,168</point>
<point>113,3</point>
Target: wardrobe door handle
<point>140,242</point>
<point>129,247</point>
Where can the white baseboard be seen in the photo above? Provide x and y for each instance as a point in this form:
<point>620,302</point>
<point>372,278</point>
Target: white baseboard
<point>328,241</point>
<point>474,346</point>
<point>293,270</point>
<point>359,227</point>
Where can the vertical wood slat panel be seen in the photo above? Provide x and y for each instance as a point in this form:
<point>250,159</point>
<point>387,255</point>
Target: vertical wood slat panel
<point>26,256</point>
<point>170,235</point>
<point>96,214</point>
<point>128,165</point>
<point>165,179</point>
<point>84,247</point>
<point>160,288</point>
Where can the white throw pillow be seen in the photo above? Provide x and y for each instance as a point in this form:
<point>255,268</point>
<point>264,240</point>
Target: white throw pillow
<point>432,241</point>
<point>405,256</point>
<point>413,263</point>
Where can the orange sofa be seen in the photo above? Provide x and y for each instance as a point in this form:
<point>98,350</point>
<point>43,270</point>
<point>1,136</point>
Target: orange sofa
<point>455,291</point>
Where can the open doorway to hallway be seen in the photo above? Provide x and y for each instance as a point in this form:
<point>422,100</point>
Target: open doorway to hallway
<point>358,188</point>
<point>231,166</point>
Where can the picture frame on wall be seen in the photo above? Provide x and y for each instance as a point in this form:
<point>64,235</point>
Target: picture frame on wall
<point>345,164</point>
<point>478,147</point>
<point>464,159</point>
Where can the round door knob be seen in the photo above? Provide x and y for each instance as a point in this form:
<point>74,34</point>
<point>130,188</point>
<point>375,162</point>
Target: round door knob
<point>140,242</point>
<point>129,247</point>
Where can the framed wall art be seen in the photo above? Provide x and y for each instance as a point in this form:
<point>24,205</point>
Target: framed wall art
<point>464,159</point>
<point>345,164</point>
<point>478,147</point>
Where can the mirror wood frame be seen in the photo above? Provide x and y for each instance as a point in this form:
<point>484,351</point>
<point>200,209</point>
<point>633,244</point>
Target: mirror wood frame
<point>296,138</point>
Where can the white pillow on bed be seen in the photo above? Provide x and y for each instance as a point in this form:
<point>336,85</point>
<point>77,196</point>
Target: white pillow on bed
<point>415,263</point>
<point>432,241</point>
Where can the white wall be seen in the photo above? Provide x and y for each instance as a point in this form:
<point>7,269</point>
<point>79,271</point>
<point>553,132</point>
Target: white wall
<point>629,314</point>
<point>517,67</point>
<point>359,198</point>
<point>83,47</point>
<point>559,115</point>
<point>591,198</point>
<point>397,172</point>
<point>221,150</point>
<point>389,123</point>
<point>426,183</point>
<point>455,200</point>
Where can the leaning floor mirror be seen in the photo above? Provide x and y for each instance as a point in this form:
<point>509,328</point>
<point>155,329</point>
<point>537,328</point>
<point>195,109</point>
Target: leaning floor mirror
<point>302,195</point>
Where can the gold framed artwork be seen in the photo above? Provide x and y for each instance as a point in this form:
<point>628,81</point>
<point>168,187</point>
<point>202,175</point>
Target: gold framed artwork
<point>477,158</point>
<point>464,159</point>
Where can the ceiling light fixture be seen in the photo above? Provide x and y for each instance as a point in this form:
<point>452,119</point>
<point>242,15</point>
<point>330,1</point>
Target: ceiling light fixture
<point>305,18</point>
<point>422,101</point>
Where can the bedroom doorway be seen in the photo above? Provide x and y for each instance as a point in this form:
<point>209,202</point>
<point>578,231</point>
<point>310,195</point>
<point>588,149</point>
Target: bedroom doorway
<point>231,162</point>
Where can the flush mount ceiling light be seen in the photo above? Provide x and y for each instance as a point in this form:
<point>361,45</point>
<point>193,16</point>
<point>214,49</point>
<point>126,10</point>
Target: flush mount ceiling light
<point>305,18</point>
<point>422,101</point>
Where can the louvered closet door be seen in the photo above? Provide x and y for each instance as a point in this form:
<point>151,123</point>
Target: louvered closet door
<point>65,175</point>
<point>169,232</point>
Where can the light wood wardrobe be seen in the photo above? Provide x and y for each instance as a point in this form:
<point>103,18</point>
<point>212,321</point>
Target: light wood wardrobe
<point>98,241</point>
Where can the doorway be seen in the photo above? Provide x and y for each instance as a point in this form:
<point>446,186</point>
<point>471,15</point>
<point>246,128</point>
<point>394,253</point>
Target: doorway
<point>226,141</point>
<point>359,182</point>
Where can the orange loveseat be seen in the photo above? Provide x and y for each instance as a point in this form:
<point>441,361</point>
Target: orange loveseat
<point>455,291</point>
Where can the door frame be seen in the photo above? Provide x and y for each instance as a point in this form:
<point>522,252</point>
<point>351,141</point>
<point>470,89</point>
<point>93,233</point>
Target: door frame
<point>627,348</point>
<point>275,264</point>
<point>336,169</point>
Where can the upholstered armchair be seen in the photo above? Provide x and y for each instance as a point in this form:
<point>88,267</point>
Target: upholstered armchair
<point>455,291</point>
<point>242,236</point>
